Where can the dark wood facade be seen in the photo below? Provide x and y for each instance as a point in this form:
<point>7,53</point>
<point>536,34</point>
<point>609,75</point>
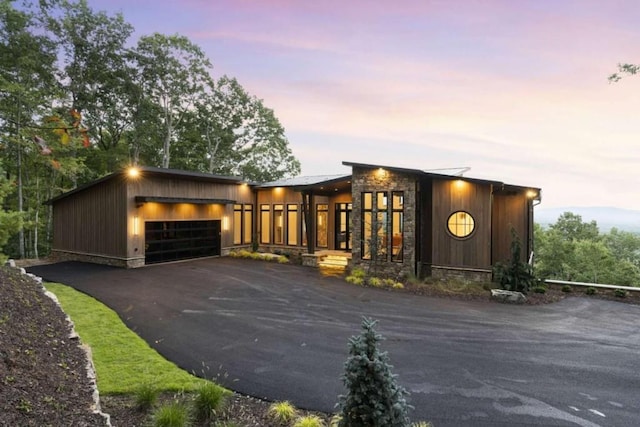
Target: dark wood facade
<point>414,211</point>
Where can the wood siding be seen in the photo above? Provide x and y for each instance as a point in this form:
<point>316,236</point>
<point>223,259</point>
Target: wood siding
<point>159,186</point>
<point>93,222</point>
<point>510,209</point>
<point>449,196</point>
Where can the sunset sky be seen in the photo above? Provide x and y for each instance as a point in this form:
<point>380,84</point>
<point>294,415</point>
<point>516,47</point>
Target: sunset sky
<point>515,89</point>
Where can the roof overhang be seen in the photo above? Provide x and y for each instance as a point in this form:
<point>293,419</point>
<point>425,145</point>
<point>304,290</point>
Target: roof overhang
<point>173,200</point>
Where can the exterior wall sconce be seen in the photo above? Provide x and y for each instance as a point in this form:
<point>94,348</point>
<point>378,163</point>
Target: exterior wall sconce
<point>135,225</point>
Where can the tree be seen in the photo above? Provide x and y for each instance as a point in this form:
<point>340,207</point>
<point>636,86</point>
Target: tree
<point>373,398</point>
<point>27,85</point>
<point>173,75</point>
<point>515,275</point>
<point>11,221</point>
<point>97,73</point>
<point>624,69</point>
<point>233,133</point>
<point>571,228</point>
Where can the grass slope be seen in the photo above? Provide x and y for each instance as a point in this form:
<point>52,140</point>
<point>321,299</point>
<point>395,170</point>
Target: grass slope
<point>122,359</point>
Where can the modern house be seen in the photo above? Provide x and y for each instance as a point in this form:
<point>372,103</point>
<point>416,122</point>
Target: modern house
<point>405,221</point>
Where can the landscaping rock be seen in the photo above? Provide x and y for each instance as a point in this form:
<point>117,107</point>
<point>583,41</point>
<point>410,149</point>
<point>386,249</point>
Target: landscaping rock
<point>508,296</point>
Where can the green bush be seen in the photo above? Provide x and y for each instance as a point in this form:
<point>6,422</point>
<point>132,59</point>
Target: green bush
<point>620,293</point>
<point>282,413</point>
<point>515,275</point>
<point>591,290</point>
<point>540,289</point>
<point>567,288</point>
<point>171,415</point>
<point>358,272</point>
<point>282,259</point>
<point>209,400</point>
<point>355,280</point>
<point>309,421</point>
<point>375,282</point>
<point>146,396</point>
<point>421,424</point>
<point>397,285</point>
<point>373,398</point>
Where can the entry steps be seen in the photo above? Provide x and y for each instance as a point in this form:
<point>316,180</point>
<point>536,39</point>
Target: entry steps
<point>337,261</point>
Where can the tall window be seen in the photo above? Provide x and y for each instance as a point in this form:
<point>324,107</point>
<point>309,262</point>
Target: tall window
<point>397,225</point>
<point>367,220</point>
<point>292,225</point>
<point>303,226</point>
<point>237,224</point>
<point>248,224</point>
<point>265,224</point>
<point>460,224</point>
<point>382,241</point>
<point>278,224</point>
<point>322,225</point>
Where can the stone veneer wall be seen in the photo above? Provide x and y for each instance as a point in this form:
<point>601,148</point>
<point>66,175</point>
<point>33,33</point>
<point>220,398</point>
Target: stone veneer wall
<point>473,275</point>
<point>374,180</point>
<point>59,255</point>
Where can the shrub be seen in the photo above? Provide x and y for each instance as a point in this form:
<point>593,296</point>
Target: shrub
<point>397,285</point>
<point>566,288</point>
<point>389,282</point>
<point>515,275</point>
<point>335,420</point>
<point>422,424</point>
<point>146,396</point>
<point>283,259</point>
<point>358,272</point>
<point>281,412</point>
<point>171,415</point>
<point>375,282</point>
<point>373,398</point>
<point>355,280</point>
<point>540,289</point>
<point>591,290</point>
<point>309,421</point>
<point>620,293</point>
<point>209,399</point>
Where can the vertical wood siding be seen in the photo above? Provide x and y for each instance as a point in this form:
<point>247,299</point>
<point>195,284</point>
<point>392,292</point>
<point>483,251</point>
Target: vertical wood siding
<point>510,210</point>
<point>448,197</point>
<point>93,221</point>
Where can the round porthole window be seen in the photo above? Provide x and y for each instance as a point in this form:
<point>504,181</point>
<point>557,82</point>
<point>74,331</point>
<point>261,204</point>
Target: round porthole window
<point>460,224</point>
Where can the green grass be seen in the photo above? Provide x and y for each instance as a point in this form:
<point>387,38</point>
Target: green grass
<point>282,413</point>
<point>122,359</point>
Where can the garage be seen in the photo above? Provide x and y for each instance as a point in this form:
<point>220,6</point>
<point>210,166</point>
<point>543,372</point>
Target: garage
<point>176,240</point>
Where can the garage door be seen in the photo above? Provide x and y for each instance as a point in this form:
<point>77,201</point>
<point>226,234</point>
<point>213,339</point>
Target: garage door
<point>174,240</point>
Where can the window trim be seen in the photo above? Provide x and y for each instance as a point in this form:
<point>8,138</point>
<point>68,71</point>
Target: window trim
<point>454,235</point>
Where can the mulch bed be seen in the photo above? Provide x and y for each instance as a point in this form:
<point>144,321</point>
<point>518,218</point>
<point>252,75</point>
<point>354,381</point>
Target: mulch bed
<point>43,375</point>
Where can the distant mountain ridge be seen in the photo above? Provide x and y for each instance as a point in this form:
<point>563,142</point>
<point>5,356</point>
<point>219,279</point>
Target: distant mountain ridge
<point>606,217</point>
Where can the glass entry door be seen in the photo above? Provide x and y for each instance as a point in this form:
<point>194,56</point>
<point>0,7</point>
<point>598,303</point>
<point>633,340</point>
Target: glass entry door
<point>343,226</point>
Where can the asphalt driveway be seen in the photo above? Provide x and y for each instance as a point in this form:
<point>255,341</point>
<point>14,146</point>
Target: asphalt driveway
<point>280,332</point>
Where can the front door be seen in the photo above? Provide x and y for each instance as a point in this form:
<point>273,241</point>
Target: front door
<point>343,226</point>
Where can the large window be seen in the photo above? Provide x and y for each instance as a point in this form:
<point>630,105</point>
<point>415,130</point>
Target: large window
<point>322,225</point>
<point>265,224</point>
<point>382,240</point>
<point>460,224</point>
<point>292,225</point>
<point>367,224</point>
<point>237,224</point>
<point>248,224</point>
<point>397,225</point>
<point>278,224</point>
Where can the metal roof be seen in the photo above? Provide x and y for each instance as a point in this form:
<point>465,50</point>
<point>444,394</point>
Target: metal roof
<point>302,181</point>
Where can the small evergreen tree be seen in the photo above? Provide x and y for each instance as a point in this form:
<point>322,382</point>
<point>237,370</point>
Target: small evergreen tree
<point>515,275</point>
<point>373,398</point>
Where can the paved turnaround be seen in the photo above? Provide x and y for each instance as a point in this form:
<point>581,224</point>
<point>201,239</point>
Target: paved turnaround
<point>280,332</point>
